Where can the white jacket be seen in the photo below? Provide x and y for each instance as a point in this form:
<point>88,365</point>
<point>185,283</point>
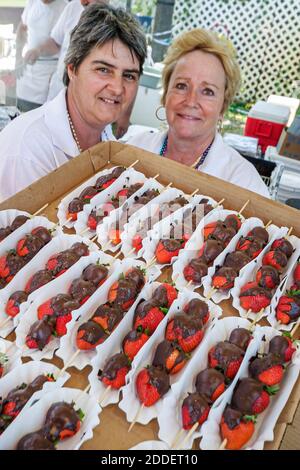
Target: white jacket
<point>36,143</point>
<point>222,161</point>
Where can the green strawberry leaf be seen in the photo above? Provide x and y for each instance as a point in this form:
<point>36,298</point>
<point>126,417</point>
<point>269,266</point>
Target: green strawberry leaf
<point>80,414</point>
<point>164,310</point>
<point>272,390</point>
<point>6,417</point>
<point>51,376</point>
<point>139,329</point>
<point>293,293</point>
<point>122,276</point>
<point>287,334</point>
<point>252,418</point>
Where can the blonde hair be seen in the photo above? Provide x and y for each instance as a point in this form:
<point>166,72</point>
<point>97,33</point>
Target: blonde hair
<point>205,41</point>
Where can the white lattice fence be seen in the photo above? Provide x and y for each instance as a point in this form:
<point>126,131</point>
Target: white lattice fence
<point>266,34</point>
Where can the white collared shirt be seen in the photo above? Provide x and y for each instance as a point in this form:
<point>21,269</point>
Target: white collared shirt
<point>36,143</point>
<point>222,161</point>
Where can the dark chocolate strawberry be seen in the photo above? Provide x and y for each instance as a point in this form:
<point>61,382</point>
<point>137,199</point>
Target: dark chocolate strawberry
<point>152,383</point>
<point>267,369</point>
<point>283,245</point>
<point>195,409</point>
<point>165,295</point>
<point>255,298</point>
<point>288,309</point>
<point>133,342</point>
<point>40,334</point>
<point>224,278</point>
<point>198,309</point>
<point>108,317</point>
<point>62,421</point>
<point>12,307</point>
<point>210,383</point>
<point>39,279</point>
<point>167,249</point>
<point>148,316</point>
<point>227,357</point>
<point>240,337</point>
<point>275,258</point>
<point>282,347</point>
<point>210,250</point>
<point>81,290</point>
<point>115,370</point>
<point>90,335</point>
<point>195,270</point>
<point>236,428</point>
<point>249,397</point>
<point>268,277</point>
<point>186,330</point>
<point>169,356</point>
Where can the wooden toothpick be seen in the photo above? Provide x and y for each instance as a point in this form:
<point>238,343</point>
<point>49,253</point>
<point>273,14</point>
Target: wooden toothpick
<point>136,417</point>
<point>244,207</point>
<point>69,363</point>
<point>133,164</point>
<point>40,210</point>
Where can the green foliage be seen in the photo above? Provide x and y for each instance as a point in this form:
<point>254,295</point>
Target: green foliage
<point>143,7</point>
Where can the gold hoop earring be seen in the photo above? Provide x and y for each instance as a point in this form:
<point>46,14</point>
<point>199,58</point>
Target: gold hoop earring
<point>157,116</point>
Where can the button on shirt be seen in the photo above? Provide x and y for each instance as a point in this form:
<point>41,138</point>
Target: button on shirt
<point>222,161</point>
<point>37,143</point>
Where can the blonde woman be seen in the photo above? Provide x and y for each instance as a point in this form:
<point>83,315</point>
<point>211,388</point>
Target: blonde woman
<point>200,79</point>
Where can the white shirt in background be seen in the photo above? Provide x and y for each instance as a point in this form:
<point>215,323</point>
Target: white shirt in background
<point>61,35</point>
<point>39,18</point>
<point>222,161</point>
<point>36,143</point>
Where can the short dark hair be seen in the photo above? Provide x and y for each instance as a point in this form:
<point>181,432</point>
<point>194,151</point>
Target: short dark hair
<point>99,24</point>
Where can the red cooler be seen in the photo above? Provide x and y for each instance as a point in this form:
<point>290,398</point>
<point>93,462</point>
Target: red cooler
<point>266,122</point>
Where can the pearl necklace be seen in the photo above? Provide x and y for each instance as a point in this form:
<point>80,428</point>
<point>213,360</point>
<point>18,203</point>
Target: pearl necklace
<point>196,164</point>
<point>74,132</point>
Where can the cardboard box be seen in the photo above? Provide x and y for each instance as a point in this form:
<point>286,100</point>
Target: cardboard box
<point>289,143</point>
<point>112,433</point>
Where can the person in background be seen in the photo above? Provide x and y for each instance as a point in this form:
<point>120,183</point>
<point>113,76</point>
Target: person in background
<point>103,65</point>
<point>200,79</point>
<point>38,19</point>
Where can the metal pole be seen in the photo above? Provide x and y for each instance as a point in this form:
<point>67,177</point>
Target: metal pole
<point>162,22</point>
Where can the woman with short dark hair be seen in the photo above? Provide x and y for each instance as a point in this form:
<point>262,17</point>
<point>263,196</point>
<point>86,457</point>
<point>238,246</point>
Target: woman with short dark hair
<point>103,65</point>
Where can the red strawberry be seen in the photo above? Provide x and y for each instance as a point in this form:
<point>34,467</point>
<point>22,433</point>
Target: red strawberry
<point>224,278</point>
<point>133,342</point>
<point>10,409</point>
<point>108,317</point>
<point>137,243</point>
<point>288,309</point>
<point>123,293</point>
<point>88,193</point>
<point>276,258</point>
<point>272,376</point>
<point>233,220</point>
<point>165,295</point>
<point>122,193</point>
<point>12,307</point>
<point>93,220</point>
<point>255,298</point>
<point>186,331</point>
<point>195,409</point>
<point>90,335</point>
<point>283,347</point>
<point>72,215</point>
<point>4,269</point>
<point>108,183</point>
<point>250,245</point>
<point>151,384</point>
<point>115,371</point>
<point>39,279</point>
<point>283,245</point>
<point>227,357</point>
<point>296,274</point>
<point>148,316</point>
<point>21,248</point>
<point>267,277</point>
<point>45,309</point>
<point>61,322</point>
<point>210,383</point>
<point>167,249</point>
<point>168,355</point>
<point>267,369</point>
<point>257,399</point>
<point>195,270</point>
<point>114,236</point>
<point>209,229</point>
<point>235,429</point>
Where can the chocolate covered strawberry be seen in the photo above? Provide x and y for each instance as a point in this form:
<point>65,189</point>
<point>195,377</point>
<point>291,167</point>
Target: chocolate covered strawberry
<point>12,307</point>
<point>241,337</point>
<point>288,309</point>
<point>10,265</point>
<point>268,277</point>
<point>4,232</point>
<point>227,357</point>
<point>236,428</point>
<point>255,298</point>
<point>152,383</point>
<point>198,309</point>
<point>259,232</point>
<point>61,262</point>
<point>90,335</point>
<point>62,421</point>
<point>249,397</point>
<point>236,260</point>
<point>136,275</point>
<point>209,229</point>
<point>18,222</point>
<point>123,293</point>
<point>35,441</point>
<point>3,362</point>
<point>39,279</point>
<point>169,356</point>
<point>275,258</point>
<point>233,220</point>
<point>40,333</point>
<point>43,233</point>
<point>95,273</point>
<point>60,304</point>
<point>29,246</point>
<point>267,369</point>
<point>210,250</point>
<point>224,278</point>
<point>251,246</point>
<point>186,330</point>
<point>223,234</point>
<point>283,347</point>
<point>108,317</point>
<point>81,290</point>
<point>167,249</point>
<point>210,383</point>
<point>93,220</point>
<point>115,370</point>
<point>148,315</point>
<point>134,341</point>
<point>283,245</point>
<point>75,206</point>
<point>296,276</point>
<point>195,409</point>
<point>137,242</point>
<point>195,270</point>
<point>165,294</point>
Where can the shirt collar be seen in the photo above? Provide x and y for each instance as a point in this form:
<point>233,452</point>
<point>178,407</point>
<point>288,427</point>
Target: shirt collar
<point>56,119</point>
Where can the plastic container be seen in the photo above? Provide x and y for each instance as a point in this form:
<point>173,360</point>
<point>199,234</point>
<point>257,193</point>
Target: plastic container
<point>289,185</point>
<point>266,121</point>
